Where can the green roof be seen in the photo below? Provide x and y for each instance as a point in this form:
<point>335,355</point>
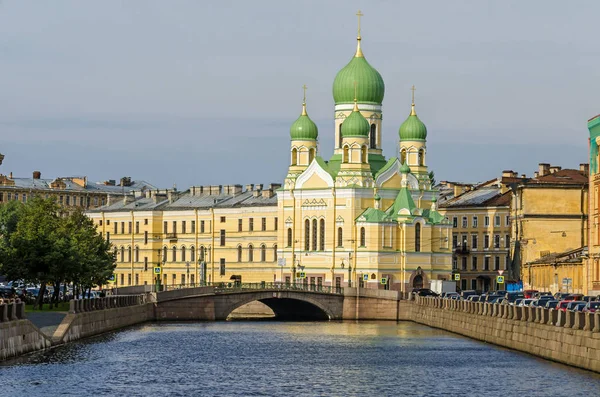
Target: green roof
<point>413,129</point>
<point>385,167</point>
<point>369,83</point>
<point>403,200</point>
<point>434,216</point>
<point>304,128</point>
<point>405,169</point>
<point>372,215</point>
<point>355,125</point>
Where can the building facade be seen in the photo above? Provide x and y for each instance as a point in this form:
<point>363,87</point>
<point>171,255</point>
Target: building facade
<point>480,217</point>
<point>591,273</point>
<point>355,218</point>
<point>549,214</point>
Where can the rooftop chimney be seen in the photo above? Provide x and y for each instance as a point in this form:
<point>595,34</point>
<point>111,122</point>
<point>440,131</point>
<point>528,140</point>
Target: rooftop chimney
<point>267,193</point>
<point>508,174</point>
<point>543,169</point>
<point>554,168</point>
<point>37,175</point>
<point>584,168</point>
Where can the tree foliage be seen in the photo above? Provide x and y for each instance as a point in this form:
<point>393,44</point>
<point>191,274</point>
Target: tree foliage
<point>41,244</point>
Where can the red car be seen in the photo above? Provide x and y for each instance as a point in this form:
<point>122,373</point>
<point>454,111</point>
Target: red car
<point>592,307</point>
<point>529,293</point>
<point>562,305</point>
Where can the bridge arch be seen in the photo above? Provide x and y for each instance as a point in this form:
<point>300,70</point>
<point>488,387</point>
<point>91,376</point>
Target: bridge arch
<point>285,305</point>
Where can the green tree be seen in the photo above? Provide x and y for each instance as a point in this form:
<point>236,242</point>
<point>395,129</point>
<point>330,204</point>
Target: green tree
<point>9,218</point>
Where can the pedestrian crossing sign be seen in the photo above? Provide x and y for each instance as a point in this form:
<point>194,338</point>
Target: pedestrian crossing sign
<point>500,279</point>
<point>384,280</point>
<point>457,277</point>
<point>302,275</point>
<point>157,270</point>
<point>365,277</point>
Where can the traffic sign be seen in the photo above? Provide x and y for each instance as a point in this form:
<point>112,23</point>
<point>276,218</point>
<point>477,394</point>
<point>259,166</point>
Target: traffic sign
<point>157,270</point>
<point>112,277</point>
<point>500,279</point>
<point>281,262</point>
<point>457,277</point>
<point>365,277</point>
<point>302,275</point>
<point>384,280</point>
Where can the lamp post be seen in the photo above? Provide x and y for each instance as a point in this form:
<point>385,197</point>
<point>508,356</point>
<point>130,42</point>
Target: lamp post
<point>187,266</point>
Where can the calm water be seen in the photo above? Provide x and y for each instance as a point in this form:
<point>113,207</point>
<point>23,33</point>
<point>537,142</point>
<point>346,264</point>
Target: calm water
<point>288,359</point>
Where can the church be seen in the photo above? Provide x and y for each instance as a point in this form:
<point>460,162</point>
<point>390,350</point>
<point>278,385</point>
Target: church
<point>351,218</point>
<point>358,217</point>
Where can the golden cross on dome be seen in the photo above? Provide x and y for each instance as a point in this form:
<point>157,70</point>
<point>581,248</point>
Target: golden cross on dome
<point>359,14</point>
<point>304,89</point>
<point>413,89</point>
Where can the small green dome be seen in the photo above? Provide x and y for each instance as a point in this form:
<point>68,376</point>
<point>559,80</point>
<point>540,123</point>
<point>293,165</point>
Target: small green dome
<point>413,129</point>
<point>355,125</point>
<point>377,197</point>
<point>405,169</point>
<point>304,129</point>
<point>369,83</point>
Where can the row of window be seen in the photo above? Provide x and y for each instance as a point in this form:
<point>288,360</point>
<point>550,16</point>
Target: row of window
<point>182,227</point>
<point>486,221</point>
<point>182,279</point>
<point>263,224</point>
<point>250,253</point>
<point>372,137</point>
<point>62,200</point>
<point>475,241</point>
<point>475,263</point>
<point>124,255</point>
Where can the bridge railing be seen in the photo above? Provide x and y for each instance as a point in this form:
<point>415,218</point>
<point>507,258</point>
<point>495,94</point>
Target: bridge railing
<point>225,287</point>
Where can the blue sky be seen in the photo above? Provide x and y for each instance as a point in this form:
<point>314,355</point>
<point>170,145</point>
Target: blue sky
<point>189,92</point>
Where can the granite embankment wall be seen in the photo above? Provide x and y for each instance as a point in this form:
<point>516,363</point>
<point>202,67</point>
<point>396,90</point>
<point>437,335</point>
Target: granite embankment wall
<point>89,317</point>
<point>370,304</point>
<point>566,337</point>
<point>17,334</point>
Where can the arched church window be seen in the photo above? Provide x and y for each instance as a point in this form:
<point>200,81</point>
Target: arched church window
<point>340,136</point>
<point>311,155</point>
<point>403,156</point>
<point>263,253</point>
<point>307,235</point>
<point>322,235</point>
<point>294,156</point>
<point>289,237</point>
<point>192,254</point>
<point>363,237</point>
<point>250,253</point>
<point>128,254</point>
<point>418,237</point>
<point>363,154</point>
<point>421,157</point>
<point>174,256</point>
<point>239,253</point>
<point>340,237</point>
<point>346,154</point>
<point>164,255</point>
<point>373,136</point>
<point>314,235</point>
<point>183,254</point>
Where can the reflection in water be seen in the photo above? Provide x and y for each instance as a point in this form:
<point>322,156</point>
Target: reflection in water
<point>275,359</point>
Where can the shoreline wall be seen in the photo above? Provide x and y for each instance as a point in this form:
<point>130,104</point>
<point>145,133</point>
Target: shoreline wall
<point>565,337</point>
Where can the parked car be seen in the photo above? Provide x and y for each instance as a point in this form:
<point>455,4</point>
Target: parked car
<point>517,302</point>
<point>473,298</point>
<point>574,297</point>
<point>541,302</point>
<point>513,296</point>
<point>496,299</point>
<point>560,296</point>
<point>500,292</point>
<point>562,305</point>
<point>529,293</point>
<point>588,298</point>
<point>419,292</point>
<point>592,307</point>
<point>578,306</point>
<point>551,304</point>
<point>465,294</point>
<point>526,302</point>
<point>449,295</point>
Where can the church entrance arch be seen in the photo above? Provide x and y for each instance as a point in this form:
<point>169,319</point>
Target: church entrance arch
<point>417,281</point>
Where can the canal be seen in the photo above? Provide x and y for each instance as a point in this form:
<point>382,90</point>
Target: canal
<point>264,358</point>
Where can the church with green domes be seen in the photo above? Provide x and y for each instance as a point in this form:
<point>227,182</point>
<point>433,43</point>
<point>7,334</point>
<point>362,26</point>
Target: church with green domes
<point>354,216</point>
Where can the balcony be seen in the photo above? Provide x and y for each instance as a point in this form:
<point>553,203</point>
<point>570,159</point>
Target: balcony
<point>462,250</point>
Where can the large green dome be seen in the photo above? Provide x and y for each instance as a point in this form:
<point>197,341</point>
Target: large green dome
<point>304,129</point>
<point>369,83</point>
<point>355,125</point>
<point>413,129</point>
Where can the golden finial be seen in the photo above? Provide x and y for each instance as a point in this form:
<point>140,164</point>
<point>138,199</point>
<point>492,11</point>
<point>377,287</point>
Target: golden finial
<point>359,53</point>
<point>412,107</point>
<point>304,101</point>
<point>355,96</point>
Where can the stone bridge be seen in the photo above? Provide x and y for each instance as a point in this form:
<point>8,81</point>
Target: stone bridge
<point>287,301</point>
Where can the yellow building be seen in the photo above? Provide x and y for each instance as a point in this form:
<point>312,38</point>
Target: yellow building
<point>480,233</point>
<point>591,273</point>
<point>549,214</point>
<point>357,217</point>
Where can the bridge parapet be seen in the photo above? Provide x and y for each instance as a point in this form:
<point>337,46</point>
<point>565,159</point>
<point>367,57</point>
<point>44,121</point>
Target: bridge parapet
<point>110,302</point>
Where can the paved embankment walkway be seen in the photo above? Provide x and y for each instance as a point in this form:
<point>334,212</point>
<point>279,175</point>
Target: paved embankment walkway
<point>47,322</point>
